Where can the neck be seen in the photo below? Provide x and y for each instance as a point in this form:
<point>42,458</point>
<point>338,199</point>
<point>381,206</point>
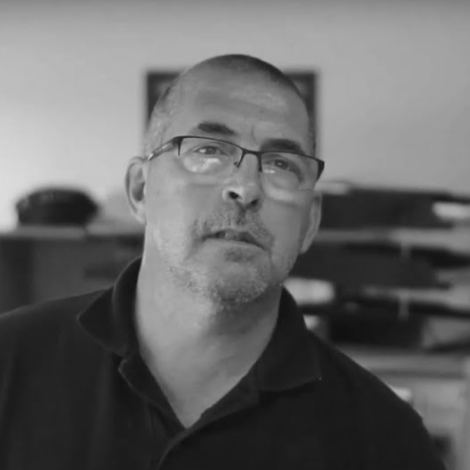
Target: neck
<point>194,347</point>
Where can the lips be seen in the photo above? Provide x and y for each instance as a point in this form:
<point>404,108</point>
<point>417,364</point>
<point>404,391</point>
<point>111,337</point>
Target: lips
<point>236,235</point>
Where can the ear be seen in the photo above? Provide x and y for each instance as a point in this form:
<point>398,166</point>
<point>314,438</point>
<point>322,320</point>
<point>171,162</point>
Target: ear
<point>313,222</point>
<point>135,183</point>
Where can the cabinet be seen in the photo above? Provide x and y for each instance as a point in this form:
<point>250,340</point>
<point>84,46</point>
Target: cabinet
<point>38,264</point>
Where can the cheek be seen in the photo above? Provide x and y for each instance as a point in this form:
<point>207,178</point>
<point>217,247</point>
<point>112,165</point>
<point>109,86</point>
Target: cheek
<point>173,205</point>
<point>285,224</point>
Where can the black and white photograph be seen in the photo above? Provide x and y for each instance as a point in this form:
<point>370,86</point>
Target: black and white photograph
<point>235,235</point>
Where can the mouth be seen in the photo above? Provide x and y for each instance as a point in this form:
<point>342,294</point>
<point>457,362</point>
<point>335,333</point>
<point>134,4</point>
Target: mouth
<point>231,235</point>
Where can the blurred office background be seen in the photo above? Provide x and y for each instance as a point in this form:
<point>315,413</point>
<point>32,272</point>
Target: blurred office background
<point>393,92</point>
<point>389,278</point>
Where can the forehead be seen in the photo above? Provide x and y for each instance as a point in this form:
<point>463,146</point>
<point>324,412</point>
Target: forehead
<point>254,107</point>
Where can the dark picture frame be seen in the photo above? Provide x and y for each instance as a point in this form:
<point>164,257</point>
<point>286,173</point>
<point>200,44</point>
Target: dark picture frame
<point>306,80</point>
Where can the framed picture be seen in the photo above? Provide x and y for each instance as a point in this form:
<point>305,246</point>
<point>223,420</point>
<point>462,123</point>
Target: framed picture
<point>306,81</point>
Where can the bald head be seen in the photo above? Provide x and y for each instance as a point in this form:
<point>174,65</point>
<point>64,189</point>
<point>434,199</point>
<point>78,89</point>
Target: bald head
<point>251,69</point>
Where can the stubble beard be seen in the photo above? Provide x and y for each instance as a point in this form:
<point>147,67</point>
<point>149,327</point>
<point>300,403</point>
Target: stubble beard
<point>233,282</point>
<point>228,283</point>
<point>225,281</point>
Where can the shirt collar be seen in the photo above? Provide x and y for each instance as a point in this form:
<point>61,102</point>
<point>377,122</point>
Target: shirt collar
<point>109,320</point>
<point>290,359</point>
<point>292,356</point>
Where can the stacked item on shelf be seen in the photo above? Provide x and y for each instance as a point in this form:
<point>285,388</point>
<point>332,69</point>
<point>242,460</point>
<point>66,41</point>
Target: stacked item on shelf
<point>397,267</point>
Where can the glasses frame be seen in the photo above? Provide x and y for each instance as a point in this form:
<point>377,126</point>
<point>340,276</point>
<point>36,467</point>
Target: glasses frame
<point>175,142</point>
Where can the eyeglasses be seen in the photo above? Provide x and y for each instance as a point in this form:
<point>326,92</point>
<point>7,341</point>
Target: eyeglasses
<point>217,159</point>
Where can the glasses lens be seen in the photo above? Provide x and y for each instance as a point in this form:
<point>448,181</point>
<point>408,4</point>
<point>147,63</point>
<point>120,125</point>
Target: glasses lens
<point>217,158</point>
<point>208,156</point>
<point>289,170</point>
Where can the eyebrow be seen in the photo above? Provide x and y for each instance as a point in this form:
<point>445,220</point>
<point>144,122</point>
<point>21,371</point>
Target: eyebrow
<point>213,127</point>
<point>283,144</point>
<point>221,129</point>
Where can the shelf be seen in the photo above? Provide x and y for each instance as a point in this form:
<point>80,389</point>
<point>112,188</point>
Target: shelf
<point>456,238</point>
<point>42,232</point>
<point>393,360</point>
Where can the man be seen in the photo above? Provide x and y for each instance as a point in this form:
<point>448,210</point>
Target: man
<point>197,357</point>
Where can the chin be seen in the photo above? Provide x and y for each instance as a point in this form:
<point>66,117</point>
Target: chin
<point>238,289</point>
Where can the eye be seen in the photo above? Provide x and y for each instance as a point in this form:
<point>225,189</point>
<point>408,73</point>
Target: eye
<point>284,162</point>
<point>210,149</point>
<point>205,147</point>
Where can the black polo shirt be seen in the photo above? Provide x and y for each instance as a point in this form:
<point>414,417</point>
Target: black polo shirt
<point>75,394</point>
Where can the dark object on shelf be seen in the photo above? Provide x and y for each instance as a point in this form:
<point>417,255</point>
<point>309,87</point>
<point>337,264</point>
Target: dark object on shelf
<point>374,331</point>
<point>356,320</point>
<point>370,207</point>
<point>56,206</point>
<point>458,346</point>
<point>434,257</point>
<point>343,265</point>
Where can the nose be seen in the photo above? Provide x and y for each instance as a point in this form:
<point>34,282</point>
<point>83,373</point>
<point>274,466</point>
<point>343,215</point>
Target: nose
<point>244,186</point>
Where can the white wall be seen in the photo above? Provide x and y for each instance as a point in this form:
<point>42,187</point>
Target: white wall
<point>395,83</point>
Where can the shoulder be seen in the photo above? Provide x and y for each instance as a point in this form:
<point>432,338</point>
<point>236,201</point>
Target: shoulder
<point>349,379</point>
<point>389,430</point>
<point>37,324</point>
